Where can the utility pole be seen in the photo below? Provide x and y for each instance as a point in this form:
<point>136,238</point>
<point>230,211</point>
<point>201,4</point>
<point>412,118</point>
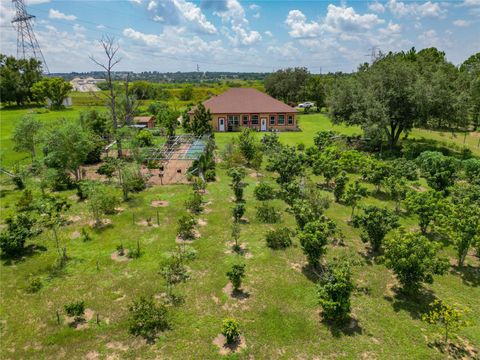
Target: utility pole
<point>375,54</point>
<point>27,44</point>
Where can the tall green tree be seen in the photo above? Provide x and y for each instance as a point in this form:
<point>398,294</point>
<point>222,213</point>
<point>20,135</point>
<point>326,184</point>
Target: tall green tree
<point>54,89</point>
<point>201,121</point>
<point>288,84</point>
<point>26,135</point>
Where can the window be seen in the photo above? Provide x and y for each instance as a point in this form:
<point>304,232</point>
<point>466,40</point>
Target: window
<point>245,119</point>
<point>233,120</point>
<point>290,120</point>
<point>281,119</point>
<point>272,119</point>
<point>254,119</point>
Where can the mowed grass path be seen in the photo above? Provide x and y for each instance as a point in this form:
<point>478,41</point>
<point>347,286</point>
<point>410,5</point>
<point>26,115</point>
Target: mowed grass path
<point>281,318</point>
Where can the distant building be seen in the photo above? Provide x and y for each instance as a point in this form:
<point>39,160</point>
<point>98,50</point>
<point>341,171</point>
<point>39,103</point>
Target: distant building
<point>245,107</point>
<point>85,85</point>
<point>144,121</point>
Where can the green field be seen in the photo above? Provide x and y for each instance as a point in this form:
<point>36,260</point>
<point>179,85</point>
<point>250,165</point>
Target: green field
<point>280,319</point>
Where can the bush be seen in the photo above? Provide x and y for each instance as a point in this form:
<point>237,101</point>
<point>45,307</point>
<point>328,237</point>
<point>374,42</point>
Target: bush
<point>85,236</point>
<point>144,138</point>
<point>19,229</point>
<point>34,286</point>
<point>334,292</point>
<point>279,238</point>
<point>210,175</point>
<point>231,330</point>
<point>236,274</point>
<point>238,211</point>
<point>146,318</point>
<point>107,168</point>
<point>264,192</point>
<point>314,238</point>
<point>18,182</point>
<point>268,214</point>
<point>25,201</point>
<point>194,203</point>
<point>439,170</point>
<point>186,225</point>
<point>75,309</point>
<point>472,170</point>
<point>58,180</point>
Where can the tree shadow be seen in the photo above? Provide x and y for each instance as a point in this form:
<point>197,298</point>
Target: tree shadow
<point>240,294</point>
<point>311,273</point>
<point>347,327</point>
<point>470,274</point>
<point>380,195</point>
<point>29,251</point>
<point>452,350</point>
<point>416,304</point>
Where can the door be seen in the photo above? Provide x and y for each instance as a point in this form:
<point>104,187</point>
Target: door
<point>264,124</point>
<point>221,124</point>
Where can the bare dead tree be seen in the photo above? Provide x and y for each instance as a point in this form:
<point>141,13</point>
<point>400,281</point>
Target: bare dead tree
<point>110,48</point>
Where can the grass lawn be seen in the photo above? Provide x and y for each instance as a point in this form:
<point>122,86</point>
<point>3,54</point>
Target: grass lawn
<point>280,319</point>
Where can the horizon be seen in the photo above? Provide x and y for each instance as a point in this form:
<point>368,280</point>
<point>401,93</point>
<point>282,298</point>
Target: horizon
<point>243,36</point>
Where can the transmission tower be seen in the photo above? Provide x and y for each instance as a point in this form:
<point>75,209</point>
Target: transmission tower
<point>27,44</point>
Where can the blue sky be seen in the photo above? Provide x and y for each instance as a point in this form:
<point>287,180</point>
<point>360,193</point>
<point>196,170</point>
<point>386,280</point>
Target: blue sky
<point>233,35</point>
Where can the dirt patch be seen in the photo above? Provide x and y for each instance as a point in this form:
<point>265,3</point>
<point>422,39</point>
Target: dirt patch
<point>119,210</point>
<point>103,224</point>
<point>159,203</point>
<point>216,300</point>
<point>368,355</point>
<point>120,298</point>
<point>179,240</point>
<point>146,223</point>
<point>225,349</point>
<point>390,288</point>
<point>296,266</point>
<point>73,219</point>
<point>80,323</point>
<point>243,250</point>
<point>117,345</point>
<point>255,175</point>
<point>115,256</point>
<point>202,222</point>
<point>74,198</point>
<point>240,294</point>
<point>75,235</point>
<point>92,355</point>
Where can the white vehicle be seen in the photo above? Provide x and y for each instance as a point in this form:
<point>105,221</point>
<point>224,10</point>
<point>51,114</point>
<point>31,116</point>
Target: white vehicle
<point>305,104</point>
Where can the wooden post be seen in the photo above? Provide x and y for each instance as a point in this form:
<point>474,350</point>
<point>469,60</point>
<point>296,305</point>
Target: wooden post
<point>98,319</point>
<point>158,219</point>
<point>58,317</point>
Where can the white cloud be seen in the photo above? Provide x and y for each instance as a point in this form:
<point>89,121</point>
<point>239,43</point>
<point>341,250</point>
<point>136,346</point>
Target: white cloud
<point>100,26</point>
<point>254,7</point>
<point>268,33</point>
<point>461,23</point>
<point>152,5</point>
<point>427,9</point>
<point>286,51</point>
<point>430,38</point>
<point>55,14</point>
<point>193,14</point>
<point>299,27</point>
<point>471,2</point>
<point>256,15</point>
<point>342,19</point>
<point>79,28</point>
<point>36,2</point>
<point>244,37</point>
<point>139,2</point>
<point>376,7</point>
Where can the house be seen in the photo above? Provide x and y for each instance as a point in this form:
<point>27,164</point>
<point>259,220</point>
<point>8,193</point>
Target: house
<point>144,121</point>
<point>245,107</point>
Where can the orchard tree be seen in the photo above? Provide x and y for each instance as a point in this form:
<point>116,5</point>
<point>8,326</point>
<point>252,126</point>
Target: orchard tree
<point>264,192</point>
<point>54,89</point>
<point>26,135</point>
<point>231,330</point>
<point>375,223</point>
<point>447,316</point>
<point>101,200</point>
<point>237,174</point>
<point>413,258</point>
<point>186,227</point>
<point>288,163</point>
<point>314,238</point>
<point>235,275</point>
<point>146,318</point>
<point>340,183</point>
<point>353,194</point>
<point>439,170</point>
<point>20,228</point>
<point>397,188</point>
<point>334,291</point>
<point>66,146</point>
<point>238,210</point>
<point>425,205</point>
<point>376,173</point>
<point>247,145</point>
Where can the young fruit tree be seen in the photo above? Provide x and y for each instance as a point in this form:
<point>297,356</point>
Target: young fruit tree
<point>447,316</point>
<point>440,170</point>
<point>237,174</point>
<point>279,238</point>
<point>238,210</point>
<point>147,318</point>
<point>375,223</point>
<point>287,163</point>
<point>413,258</point>
<point>231,330</point>
<point>353,194</point>
<point>314,239</point>
<point>20,228</point>
<point>340,183</point>
<point>186,227</point>
<point>334,291</point>
<point>75,310</point>
<point>236,274</point>
<point>397,188</point>
<point>425,205</point>
<point>247,145</point>
<point>26,135</point>
<point>264,192</point>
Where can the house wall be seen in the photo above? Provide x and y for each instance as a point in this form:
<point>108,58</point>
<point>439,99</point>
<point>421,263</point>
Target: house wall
<point>276,126</point>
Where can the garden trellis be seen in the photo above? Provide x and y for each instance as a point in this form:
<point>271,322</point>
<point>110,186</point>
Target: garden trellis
<point>179,147</point>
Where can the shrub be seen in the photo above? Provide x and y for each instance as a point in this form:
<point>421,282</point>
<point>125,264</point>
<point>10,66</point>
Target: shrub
<point>314,238</point>
<point>450,318</point>
<point>231,330</point>
<point>144,138</point>
<point>472,170</point>
<point>236,274</point>
<point>19,229</point>
<point>238,211</point>
<point>194,203</point>
<point>75,309</point>
<point>264,192</point>
<point>107,168</point>
<point>34,286</point>
<point>413,259</point>
<point>268,214</point>
<point>323,139</point>
<point>340,184</point>
<point>334,291</point>
<point>279,238</point>
<point>439,170</point>
<point>146,318</point>
<point>18,182</point>
<point>210,175</point>
<point>85,236</point>
<point>25,201</point>
<point>186,225</point>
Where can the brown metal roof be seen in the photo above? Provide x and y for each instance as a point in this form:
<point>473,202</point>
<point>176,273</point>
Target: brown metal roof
<point>246,101</point>
<point>143,119</point>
